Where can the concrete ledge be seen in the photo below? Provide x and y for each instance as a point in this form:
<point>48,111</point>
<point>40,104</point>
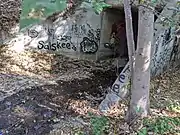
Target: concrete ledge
<point>119,3</point>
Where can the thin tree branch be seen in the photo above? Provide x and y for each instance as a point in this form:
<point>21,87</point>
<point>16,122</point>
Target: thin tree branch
<point>130,41</point>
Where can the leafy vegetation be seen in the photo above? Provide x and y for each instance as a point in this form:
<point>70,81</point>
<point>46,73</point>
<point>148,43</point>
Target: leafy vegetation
<point>174,107</point>
<point>34,10</point>
<point>78,132</point>
<point>98,6</point>
<point>98,123</point>
<point>161,125</point>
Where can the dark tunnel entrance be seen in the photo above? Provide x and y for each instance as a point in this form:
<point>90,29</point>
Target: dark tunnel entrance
<point>114,32</point>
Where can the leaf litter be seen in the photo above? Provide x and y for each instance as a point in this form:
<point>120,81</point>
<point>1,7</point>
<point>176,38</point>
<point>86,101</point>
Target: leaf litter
<point>44,93</point>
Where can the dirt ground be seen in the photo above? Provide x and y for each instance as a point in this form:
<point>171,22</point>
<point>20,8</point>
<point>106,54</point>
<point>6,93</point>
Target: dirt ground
<point>43,93</point>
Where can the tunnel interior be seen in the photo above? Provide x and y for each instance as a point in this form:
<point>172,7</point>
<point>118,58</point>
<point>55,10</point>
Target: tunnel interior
<point>114,30</point>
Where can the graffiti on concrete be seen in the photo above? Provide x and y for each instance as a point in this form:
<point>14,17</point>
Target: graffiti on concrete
<point>80,37</point>
<point>55,46</point>
<point>50,32</point>
<point>167,35</point>
<point>162,53</point>
<point>85,29</point>
<point>32,33</point>
<point>65,38</point>
<point>78,29</point>
<point>61,42</point>
<point>90,42</point>
<point>89,38</point>
<point>88,46</point>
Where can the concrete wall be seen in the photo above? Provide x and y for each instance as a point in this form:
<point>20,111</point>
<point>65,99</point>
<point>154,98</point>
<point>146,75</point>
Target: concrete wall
<point>162,53</point>
<point>76,36</point>
<point>81,35</point>
<point>84,35</point>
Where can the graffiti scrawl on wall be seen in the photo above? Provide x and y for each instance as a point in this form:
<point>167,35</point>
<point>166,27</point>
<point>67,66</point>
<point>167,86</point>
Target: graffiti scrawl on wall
<point>88,46</point>
<point>32,33</point>
<point>87,39</point>
<point>162,53</point>
<point>55,46</point>
<point>90,42</point>
<point>78,29</point>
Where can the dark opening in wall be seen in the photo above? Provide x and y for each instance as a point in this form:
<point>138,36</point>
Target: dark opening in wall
<point>114,31</point>
<point>113,35</point>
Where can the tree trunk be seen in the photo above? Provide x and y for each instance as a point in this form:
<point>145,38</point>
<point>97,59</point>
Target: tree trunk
<point>139,104</point>
<point>129,33</point>
<point>130,38</point>
<point>120,90</point>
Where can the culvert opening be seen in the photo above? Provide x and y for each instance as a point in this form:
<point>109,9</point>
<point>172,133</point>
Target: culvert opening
<point>114,33</point>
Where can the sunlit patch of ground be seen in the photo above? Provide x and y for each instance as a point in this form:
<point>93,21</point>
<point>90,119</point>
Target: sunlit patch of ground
<point>43,64</point>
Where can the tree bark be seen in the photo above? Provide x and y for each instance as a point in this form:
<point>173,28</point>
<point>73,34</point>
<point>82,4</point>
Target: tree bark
<point>119,90</point>
<point>130,38</point>
<point>129,33</point>
<point>139,104</point>
<point>115,94</point>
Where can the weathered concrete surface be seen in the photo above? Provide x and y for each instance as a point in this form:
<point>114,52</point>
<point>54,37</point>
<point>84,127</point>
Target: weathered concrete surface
<point>163,41</point>
<point>119,3</point>
<point>81,35</point>
<point>76,36</point>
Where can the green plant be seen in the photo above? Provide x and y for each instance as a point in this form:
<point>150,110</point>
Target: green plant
<point>98,124</point>
<point>174,107</point>
<point>34,10</point>
<point>98,6</point>
<point>143,131</point>
<point>79,133</point>
<point>160,125</point>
